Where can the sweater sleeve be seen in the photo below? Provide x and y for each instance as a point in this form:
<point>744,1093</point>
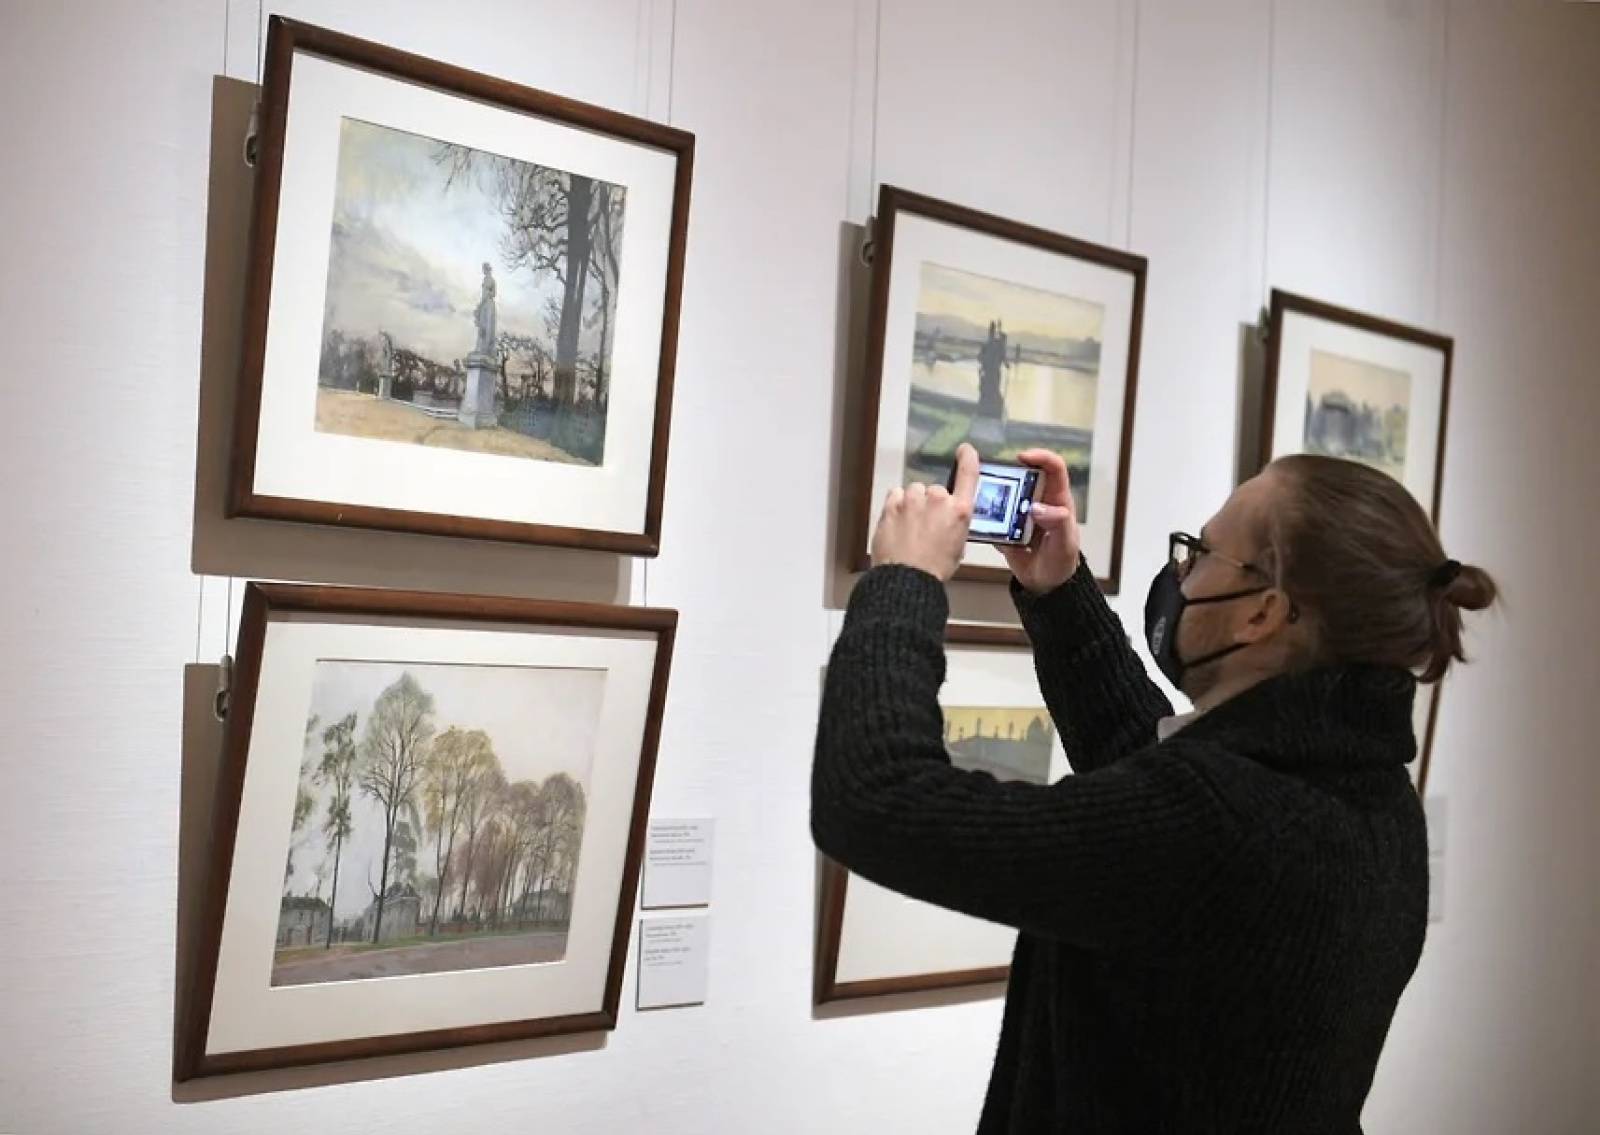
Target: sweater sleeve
<point>1094,859</point>
<point>1097,690</point>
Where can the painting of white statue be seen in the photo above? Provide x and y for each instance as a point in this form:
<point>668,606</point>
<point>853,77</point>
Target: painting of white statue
<point>471,299</point>
<point>461,303</point>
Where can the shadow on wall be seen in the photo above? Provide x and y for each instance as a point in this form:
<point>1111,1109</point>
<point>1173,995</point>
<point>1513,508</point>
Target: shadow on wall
<point>282,551</point>
<point>1252,382</point>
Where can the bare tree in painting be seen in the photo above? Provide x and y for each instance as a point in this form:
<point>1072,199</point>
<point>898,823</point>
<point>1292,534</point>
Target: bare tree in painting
<point>305,797</point>
<point>394,749</point>
<point>477,814</point>
<point>561,823</point>
<point>523,813</point>
<point>337,771</point>
<point>491,856</point>
<point>556,222</point>
<point>458,764</point>
<point>531,353</point>
<point>551,231</point>
<point>605,255</point>
<point>407,844</point>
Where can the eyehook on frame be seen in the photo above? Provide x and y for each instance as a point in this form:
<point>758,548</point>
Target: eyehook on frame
<point>1264,325</point>
<point>869,246</point>
<point>220,702</point>
<point>252,136</point>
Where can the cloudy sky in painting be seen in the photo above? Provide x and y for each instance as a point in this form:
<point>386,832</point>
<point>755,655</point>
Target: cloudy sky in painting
<point>1361,381</point>
<point>973,300</point>
<point>407,253</point>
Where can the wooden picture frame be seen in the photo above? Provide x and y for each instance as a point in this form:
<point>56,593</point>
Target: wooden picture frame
<point>1317,353</point>
<point>462,815</point>
<point>424,351</point>
<point>1425,719</point>
<point>874,943</point>
<point>936,375</point>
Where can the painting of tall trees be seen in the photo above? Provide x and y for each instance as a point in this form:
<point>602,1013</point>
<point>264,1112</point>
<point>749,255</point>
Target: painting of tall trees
<point>439,820</point>
<point>446,262</point>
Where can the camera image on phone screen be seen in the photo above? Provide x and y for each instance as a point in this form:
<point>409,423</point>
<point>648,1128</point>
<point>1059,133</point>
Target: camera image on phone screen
<point>1002,503</point>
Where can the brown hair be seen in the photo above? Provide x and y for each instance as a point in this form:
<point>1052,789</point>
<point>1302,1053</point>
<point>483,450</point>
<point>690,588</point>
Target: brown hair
<point>1356,553</point>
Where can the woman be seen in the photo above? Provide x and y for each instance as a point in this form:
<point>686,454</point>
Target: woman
<point>1217,913</point>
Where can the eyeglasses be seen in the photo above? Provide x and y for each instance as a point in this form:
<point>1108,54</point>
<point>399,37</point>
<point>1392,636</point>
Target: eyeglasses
<point>1185,550</point>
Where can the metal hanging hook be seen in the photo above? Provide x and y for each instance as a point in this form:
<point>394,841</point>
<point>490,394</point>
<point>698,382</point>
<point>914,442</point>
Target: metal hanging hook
<point>221,700</point>
<point>252,136</point>
<point>869,246</point>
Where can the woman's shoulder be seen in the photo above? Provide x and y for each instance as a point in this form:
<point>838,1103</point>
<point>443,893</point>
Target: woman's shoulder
<point>1292,800</point>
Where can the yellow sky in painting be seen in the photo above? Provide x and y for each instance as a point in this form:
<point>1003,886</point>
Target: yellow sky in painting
<point>995,721</point>
<point>1362,381</point>
<point>966,295</point>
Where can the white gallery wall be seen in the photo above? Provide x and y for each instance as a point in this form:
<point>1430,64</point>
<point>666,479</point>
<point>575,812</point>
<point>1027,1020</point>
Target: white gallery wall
<point>1435,163</point>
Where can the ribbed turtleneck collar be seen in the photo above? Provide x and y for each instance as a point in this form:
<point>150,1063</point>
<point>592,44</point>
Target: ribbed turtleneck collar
<point>1335,717</point>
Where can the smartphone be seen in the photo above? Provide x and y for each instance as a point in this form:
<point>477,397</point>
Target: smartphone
<point>1002,504</point>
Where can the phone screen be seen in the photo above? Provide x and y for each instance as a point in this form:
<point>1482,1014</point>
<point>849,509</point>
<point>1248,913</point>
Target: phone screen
<point>1002,503</point>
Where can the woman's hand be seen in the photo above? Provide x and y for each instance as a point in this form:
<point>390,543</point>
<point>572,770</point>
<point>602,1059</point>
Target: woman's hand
<point>1051,557</point>
<point>925,526</point>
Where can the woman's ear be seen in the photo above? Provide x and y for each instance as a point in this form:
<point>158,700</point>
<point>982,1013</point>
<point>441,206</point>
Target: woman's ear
<point>1271,612</point>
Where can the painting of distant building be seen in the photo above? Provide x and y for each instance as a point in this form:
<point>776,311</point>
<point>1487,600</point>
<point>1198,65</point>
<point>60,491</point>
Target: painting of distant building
<point>1359,411</point>
<point>302,921</point>
<point>1008,743</point>
<point>398,917</point>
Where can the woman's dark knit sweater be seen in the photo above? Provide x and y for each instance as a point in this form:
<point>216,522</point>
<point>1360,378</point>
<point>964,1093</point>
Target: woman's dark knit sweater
<point>1214,929</point>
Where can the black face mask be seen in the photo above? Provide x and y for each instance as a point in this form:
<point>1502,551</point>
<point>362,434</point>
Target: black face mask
<point>1164,608</point>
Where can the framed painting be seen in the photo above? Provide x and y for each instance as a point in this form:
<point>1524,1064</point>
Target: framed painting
<point>1007,336</point>
<point>429,824</point>
<point>462,303</point>
<point>1346,384</point>
<point>873,942</point>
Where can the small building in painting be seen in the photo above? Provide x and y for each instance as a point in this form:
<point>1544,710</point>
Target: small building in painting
<point>302,921</point>
<point>1006,754</point>
<point>402,915</point>
<point>1337,426</point>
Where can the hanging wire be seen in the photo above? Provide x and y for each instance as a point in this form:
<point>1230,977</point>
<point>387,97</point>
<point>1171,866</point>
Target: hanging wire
<point>1438,231</point>
<point>1443,172</point>
<point>672,85</point>
<point>672,61</point>
<point>864,253</point>
<point>877,87</point>
<point>1133,130</point>
<point>1266,163</point>
<point>252,134</point>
